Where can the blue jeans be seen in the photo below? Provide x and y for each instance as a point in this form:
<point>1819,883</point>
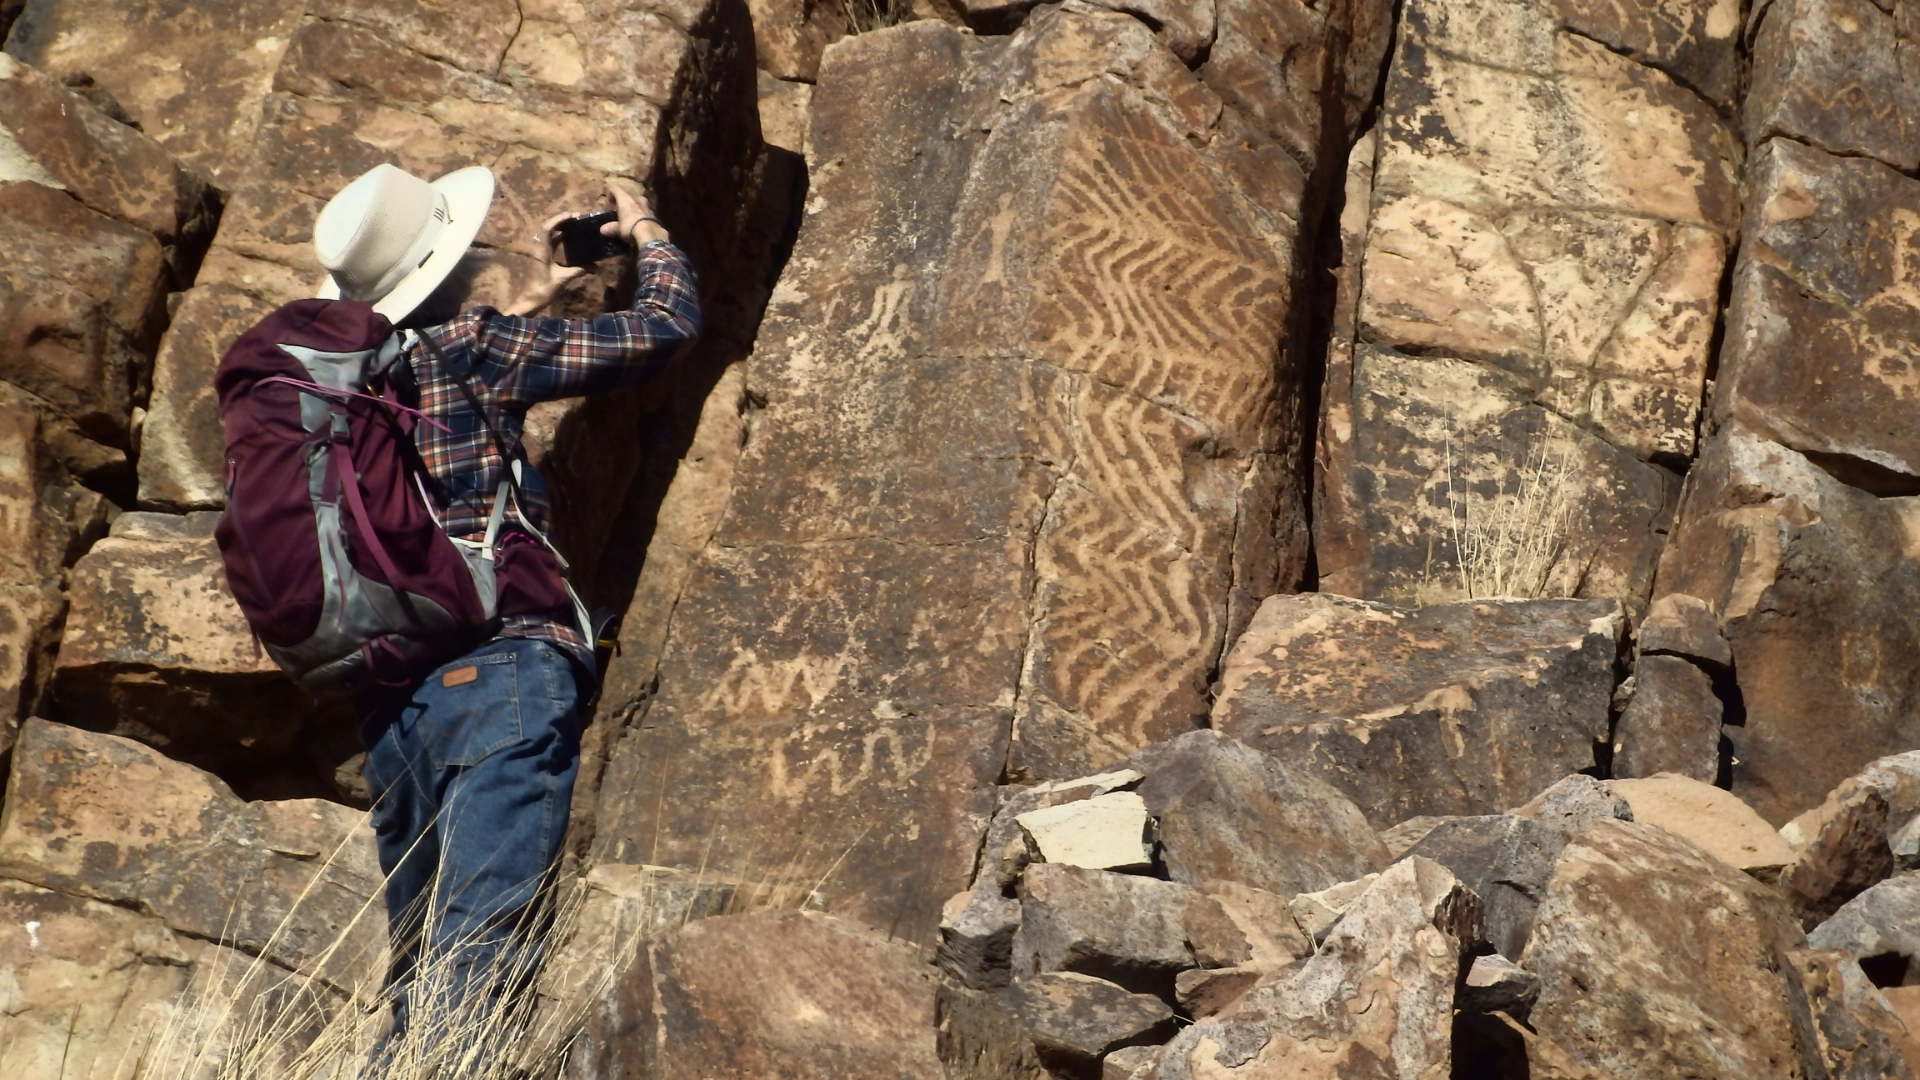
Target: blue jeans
<point>471,774</point>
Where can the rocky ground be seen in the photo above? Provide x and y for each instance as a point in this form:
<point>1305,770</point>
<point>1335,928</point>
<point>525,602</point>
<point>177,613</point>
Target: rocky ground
<point>1228,539</point>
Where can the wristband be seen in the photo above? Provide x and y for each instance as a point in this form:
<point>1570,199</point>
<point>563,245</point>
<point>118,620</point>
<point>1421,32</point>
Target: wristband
<point>636,226</point>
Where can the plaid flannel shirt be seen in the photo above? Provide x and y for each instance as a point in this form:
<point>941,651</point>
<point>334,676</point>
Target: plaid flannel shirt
<point>512,363</point>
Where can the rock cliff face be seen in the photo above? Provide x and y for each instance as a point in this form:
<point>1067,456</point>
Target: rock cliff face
<point>1231,539</point>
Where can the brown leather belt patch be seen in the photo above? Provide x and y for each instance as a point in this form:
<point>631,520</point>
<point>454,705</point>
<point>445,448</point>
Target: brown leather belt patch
<point>460,676</point>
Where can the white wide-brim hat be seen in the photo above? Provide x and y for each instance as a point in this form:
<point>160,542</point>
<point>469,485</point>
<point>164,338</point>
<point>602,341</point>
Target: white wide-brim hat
<point>390,238</point>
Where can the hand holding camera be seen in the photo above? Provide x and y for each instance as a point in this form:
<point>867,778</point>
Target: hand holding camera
<point>576,242</point>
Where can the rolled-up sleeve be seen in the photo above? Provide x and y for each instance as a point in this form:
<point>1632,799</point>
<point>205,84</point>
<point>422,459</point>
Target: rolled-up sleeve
<point>529,360</point>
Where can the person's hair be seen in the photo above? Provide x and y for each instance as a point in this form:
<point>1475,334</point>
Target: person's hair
<point>449,298</point>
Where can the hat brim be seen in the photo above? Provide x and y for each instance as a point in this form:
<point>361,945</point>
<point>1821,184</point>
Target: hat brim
<point>469,193</point>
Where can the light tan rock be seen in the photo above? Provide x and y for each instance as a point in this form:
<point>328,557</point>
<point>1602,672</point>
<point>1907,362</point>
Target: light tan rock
<point>1655,957</point>
<point>1408,833</point>
<point>182,449</point>
<point>1711,817</point>
<point>786,113</point>
<point>1106,832</point>
<point>83,980</point>
<point>1248,929</point>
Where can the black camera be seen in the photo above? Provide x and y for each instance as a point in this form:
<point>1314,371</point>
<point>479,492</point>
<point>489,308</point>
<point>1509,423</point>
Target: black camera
<point>583,244</point>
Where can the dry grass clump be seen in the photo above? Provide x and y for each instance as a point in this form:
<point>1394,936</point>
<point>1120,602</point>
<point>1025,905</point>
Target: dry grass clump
<point>251,1019</point>
<point>1505,543</point>
<point>866,15</point>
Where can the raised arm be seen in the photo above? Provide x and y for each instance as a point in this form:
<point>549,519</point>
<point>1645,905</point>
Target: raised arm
<point>525,359</point>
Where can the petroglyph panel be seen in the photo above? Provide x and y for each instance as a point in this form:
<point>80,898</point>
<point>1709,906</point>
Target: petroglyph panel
<point>1156,283</point>
<point>1550,206</point>
<point>1016,401</point>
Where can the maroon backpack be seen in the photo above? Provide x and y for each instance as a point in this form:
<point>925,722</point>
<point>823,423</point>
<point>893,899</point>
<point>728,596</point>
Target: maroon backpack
<point>329,541</point>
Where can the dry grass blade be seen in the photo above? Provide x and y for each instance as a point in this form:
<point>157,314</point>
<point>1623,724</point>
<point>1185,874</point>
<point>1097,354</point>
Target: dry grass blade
<point>867,15</point>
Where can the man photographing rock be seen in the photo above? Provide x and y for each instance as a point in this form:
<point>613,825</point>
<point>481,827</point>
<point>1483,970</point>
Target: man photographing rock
<point>435,595</point>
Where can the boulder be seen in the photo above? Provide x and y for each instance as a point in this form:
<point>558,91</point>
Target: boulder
<point>1077,1018</point>
<point>1880,928</point>
<point>45,519</point>
<point>1656,958</point>
<point>977,1039</point>
<point>192,80</point>
<point>1408,833</point>
<point>1672,725</point>
<point>1855,1032</point>
<point>1230,813</point>
<point>1895,778</point>
<point>1451,484</point>
<point>1682,625</point>
<point>917,566</point>
<point>1120,927</point>
<point>773,994</point>
<point>109,167</point>
<point>1850,853</point>
<point>109,819</point>
<point>1129,1062</point>
<point>1317,913</point>
<point>182,444</point>
<point>1576,802</point>
<point>1820,275</point>
<point>1552,237</point>
<point>86,980</point>
<point>1836,74</point>
<point>1711,817</point>
<point>1496,984</point>
<point>1816,599</point>
<point>1230,925</point>
<point>790,35</point>
<point>977,931</point>
<point>1506,861</point>
<point>156,649</point>
<point>1375,1000</point>
<point>82,303</point>
<point>1462,708</point>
